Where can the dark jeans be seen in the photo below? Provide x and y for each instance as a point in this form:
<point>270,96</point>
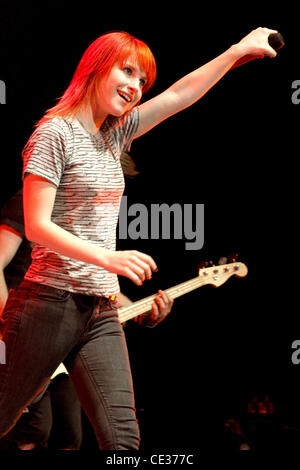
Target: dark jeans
<point>53,421</point>
<point>33,427</point>
<point>43,327</point>
<point>66,431</point>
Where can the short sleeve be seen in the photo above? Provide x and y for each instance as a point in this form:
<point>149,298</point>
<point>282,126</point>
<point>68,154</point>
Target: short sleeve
<point>45,153</point>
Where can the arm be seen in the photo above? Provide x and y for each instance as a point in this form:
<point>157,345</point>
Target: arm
<point>123,301</point>
<point>39,196</point>
<point>9,245</point>
<point>193,86</point>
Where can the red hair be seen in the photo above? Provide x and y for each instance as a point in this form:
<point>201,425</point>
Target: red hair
<point>97,62</point>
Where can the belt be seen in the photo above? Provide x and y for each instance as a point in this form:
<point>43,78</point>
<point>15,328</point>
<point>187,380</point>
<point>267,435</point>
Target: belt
<point>110,297</point>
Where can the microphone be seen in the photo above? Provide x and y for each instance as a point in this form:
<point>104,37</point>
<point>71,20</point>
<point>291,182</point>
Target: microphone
<point>275,40</point>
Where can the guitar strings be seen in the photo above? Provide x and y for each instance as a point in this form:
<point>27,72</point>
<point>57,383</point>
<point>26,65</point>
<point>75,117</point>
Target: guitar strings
<point>142,306</point>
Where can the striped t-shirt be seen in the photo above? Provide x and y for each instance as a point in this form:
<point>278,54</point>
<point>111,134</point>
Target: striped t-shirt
<point>87,172</point>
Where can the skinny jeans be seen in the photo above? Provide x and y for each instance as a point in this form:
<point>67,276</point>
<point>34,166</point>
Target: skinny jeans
<point>43,327</point>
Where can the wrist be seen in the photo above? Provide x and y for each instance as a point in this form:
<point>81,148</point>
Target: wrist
<point>236,51</point>
<point>102,257</point>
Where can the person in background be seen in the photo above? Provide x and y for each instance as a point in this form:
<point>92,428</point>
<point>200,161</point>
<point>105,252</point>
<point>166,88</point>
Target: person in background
<point>57,406</point>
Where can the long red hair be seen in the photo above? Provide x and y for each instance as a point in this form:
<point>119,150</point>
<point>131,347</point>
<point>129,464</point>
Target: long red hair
<point>96,63</point>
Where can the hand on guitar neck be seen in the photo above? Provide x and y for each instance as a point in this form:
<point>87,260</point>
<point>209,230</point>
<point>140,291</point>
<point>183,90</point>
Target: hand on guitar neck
<point>160,308</point>
<point>214,275</point>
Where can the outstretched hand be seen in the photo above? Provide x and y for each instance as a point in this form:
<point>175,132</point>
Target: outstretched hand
<point>256,43</point>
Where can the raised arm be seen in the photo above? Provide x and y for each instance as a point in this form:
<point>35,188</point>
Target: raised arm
<point>193,86</point>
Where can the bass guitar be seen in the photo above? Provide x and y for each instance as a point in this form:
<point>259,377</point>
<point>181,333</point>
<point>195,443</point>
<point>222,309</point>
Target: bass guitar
<point>215,275</point>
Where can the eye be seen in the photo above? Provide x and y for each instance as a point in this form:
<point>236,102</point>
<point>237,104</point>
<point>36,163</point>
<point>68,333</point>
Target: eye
<point>127,70</point>
<point>130,72</point>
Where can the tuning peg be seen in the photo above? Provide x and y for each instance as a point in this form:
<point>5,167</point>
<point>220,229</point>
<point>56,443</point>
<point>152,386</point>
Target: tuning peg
<point>232,258</point>
<point>202,264</point>
<point>222,260</point>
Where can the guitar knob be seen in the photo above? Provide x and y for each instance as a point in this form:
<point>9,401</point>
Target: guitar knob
<point>202,264</point>
<point>232,258</point>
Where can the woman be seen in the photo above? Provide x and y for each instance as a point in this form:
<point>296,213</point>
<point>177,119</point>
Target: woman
<point>65,309</point>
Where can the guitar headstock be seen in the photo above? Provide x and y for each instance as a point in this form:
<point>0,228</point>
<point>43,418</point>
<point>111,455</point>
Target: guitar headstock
<point>218,275</point>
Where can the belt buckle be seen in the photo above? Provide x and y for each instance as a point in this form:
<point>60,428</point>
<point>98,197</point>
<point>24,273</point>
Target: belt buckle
<point>110,297</point>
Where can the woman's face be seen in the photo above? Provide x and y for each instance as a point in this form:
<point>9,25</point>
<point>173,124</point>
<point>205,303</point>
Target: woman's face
<point>121,90</point>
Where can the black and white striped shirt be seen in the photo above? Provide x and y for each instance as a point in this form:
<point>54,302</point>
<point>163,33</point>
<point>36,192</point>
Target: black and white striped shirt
<point>87,172</point>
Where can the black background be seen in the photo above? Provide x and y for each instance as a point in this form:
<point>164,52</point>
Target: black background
<point>235,151</point>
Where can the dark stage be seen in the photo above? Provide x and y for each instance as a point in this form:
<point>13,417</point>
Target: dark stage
<point>234,152</point>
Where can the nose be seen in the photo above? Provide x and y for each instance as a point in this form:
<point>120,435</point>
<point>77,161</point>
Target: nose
<point>134,84</point>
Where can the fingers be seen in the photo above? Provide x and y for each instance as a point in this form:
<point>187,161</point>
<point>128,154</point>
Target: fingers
<point>259,41</point>
<point>256,43</point>
<point>144,265</point>
<point>160,308</point>
<point>154,312</point>
<point>268,49</point>
<point>270,31</point>
<point>162,304</point>
<point>137,266</point>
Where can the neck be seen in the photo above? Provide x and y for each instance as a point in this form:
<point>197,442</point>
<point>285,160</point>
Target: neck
<point>89,120</point>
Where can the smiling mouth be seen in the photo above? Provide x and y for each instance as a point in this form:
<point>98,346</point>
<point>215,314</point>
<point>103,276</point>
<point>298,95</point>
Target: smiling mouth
<point>124,96</point>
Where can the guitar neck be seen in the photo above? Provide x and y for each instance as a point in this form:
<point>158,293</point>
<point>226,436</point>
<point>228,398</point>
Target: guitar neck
<point>215,275</point>
<point>144,305</point>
